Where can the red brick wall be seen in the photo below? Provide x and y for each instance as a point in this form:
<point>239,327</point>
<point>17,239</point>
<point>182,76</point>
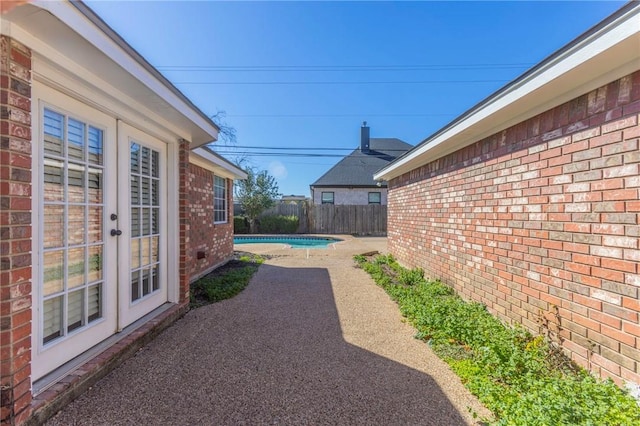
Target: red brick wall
<point>214,240</point>
<point>15,231</point>
<point>541,223</point>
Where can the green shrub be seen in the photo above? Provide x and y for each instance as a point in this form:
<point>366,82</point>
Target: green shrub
<point>521,378</point>
<point>240,225</point>
<point>226,282</point>
<point>277,224</point>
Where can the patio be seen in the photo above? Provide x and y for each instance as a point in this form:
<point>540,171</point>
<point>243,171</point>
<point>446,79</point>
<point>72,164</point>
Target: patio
<point>311,340</point>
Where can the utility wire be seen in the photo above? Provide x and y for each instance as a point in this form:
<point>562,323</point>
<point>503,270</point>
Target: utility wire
<point>292,154</point>
<point>337,115</point>
<point>286,148</point>
<point>312,68</point>
<point>300,83</point>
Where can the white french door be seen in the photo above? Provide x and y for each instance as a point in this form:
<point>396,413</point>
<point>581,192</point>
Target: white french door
<point>142,217</point>
<point>100,196</point>
<point>74,188</point>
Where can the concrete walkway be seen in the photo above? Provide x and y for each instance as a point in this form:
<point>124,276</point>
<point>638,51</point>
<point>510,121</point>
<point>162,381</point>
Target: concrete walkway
<point>312,340</point>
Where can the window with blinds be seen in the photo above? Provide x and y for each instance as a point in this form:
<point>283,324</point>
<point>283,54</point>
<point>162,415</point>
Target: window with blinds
<point>72,231</point>
<point>219,200</point>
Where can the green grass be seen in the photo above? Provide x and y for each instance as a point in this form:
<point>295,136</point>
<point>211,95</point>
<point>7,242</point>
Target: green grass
<point>523,379</point>
<point>225,282</point>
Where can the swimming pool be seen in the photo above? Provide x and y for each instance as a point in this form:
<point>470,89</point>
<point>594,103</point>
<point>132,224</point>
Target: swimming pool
<point>294,242</point>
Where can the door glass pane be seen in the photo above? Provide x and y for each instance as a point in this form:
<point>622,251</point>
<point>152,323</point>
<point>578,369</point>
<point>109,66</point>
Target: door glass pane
<point>135,158</point>
<point>154,221</point>
<point>94,190</point>
<point>146,221</point>
<point>52,319</point>
<point>145,191</point>
<point>72,224</point>
<point>53,133</point>
<point>146,283</point>
<point>76,139</point>
<point>155,167</point>
<point>135,285</point>
<point>75,311</point>
<point>76,188</point>
<point>76,225</point>
<point>154,249</point>
<point>135,222</point>
<point>95,224</point>
<point>156,278</point>
<point>95,263</point>
<point>53,276</point>
<point>145,161</point>
<point>53,180</point>
<point>135,253</point>
<point>94,306</point>
<point>95,145</point>
<point>53,226</point>
<point>75,268</point>
<point>145,254</point>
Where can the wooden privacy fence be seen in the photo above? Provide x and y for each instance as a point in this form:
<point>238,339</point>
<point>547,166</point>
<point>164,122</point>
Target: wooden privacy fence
<point>335,219</point>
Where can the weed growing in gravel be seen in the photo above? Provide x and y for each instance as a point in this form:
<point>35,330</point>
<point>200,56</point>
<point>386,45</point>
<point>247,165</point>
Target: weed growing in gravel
<point>521,378</point>
<point>226,281</point>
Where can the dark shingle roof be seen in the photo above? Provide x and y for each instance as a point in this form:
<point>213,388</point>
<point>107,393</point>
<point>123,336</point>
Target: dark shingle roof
<point>357,168</point>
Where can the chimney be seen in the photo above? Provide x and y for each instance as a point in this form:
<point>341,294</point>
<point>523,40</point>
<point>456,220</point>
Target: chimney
<point>364,138</point>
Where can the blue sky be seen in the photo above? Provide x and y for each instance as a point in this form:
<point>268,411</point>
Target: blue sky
<point>306,74</point>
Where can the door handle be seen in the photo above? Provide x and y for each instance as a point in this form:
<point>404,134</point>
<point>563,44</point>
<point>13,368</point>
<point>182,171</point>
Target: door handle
<point>116,232</point>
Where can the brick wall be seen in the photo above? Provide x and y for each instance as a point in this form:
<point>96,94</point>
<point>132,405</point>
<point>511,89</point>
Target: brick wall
<point>15,231</point>
<point>541,223</point>
<point>215,241</point>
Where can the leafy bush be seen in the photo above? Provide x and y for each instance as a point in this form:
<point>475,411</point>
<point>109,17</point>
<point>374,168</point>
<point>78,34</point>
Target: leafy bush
<point>278,224</point>
<point>240,225</point>
<point>521,378</point>
<point>218,285</point>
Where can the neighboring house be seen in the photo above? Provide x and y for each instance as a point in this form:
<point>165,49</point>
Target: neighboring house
<point>293,199</point>
<point>106,213</point>
<point>350,182</point>
<point>529,202</point>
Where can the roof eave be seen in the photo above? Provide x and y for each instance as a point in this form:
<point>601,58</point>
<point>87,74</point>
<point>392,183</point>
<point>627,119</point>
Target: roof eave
<point>210,160</point>
<point>603,54</point>
<point>91,27</point>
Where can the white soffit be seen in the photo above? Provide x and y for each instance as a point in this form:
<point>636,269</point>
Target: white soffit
<point>70,34</point>
<point>597,58</point>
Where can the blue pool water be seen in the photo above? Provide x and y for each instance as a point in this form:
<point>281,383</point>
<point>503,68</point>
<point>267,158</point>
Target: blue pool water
<point>294,242</point>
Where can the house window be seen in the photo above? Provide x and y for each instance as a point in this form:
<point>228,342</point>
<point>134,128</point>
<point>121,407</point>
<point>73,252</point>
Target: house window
<point>219,200</point>
<point>375,198</point>
<point>327,198</point>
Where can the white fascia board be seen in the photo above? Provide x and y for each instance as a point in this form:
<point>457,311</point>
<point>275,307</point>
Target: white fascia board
<point>83,25</point>
<point>499,110</point>
<point>203,158</point>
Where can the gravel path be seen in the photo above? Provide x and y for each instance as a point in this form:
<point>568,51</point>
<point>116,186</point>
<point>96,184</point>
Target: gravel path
<point>312,340</point>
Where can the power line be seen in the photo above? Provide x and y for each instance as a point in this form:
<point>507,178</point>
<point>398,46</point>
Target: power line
<point>300,83</point>
<point>337,115</point>
<point>312,68</point>
<point>286,148</point>
<point>291,154</point>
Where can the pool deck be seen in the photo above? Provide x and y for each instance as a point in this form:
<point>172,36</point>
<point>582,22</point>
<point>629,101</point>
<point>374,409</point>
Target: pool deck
<point>312,340</point>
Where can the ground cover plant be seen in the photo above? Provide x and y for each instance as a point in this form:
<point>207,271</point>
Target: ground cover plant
<point>225,281</point>
<point>523,379</point>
